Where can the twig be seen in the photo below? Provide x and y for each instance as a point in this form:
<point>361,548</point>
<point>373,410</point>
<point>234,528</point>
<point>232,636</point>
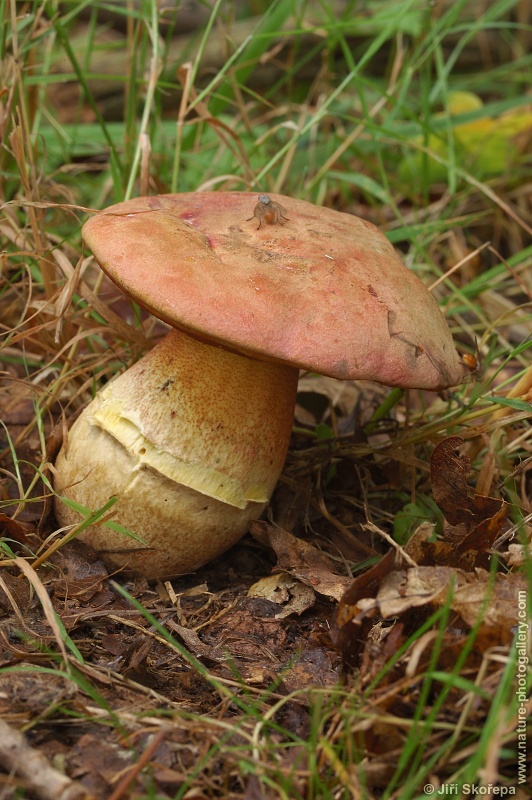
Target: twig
<point>40,778</point>
<point>144,759</point>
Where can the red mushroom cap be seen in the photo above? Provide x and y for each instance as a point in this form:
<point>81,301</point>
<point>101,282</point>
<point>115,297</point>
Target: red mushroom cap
<point>317,289</point>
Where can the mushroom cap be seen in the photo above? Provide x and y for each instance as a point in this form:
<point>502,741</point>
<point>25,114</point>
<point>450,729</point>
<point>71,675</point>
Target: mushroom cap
<point>318,289</point>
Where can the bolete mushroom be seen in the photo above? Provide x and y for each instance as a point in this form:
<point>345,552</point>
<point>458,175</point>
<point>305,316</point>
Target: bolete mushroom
<point>191,439</point>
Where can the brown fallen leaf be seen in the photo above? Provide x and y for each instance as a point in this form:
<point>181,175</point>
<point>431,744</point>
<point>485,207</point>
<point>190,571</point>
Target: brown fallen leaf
<point>15,595</point>
<point>15,529</point>
<point>193,643</point>
<point>294,596</point>
<point>317,393</point>
<point>97,763</point>
<point>351,629</point>
<point>17,401</point>
<point>449,469</point>
<point>81,573</point>
<point>473,522</point>
<point>301,559</point>
<point>475,597</point>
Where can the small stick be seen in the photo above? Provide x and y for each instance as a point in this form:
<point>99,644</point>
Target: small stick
<point>17,757</point>
<point>132,773</point>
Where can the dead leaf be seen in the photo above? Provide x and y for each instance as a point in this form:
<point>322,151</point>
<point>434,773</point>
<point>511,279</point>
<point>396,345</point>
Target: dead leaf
<point>350,632</point>
<point>301,559</point>
<point>473,522</point>
<point>193,643</point>
<point>449,470</point>
<point>15,595</point>
<point>18,401</point>
<point>316,394</point>
<point>82,573</point>
<point>98,761</point>
<point>294,597</point>
<point>473,595</point>
<point>517,555</point>
<point>15,529</point>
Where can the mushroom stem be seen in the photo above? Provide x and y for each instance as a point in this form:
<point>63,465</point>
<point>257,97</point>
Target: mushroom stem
<point>191,440</point>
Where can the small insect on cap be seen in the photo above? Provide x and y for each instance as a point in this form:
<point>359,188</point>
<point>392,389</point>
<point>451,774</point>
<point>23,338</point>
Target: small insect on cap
<point>325,291</point>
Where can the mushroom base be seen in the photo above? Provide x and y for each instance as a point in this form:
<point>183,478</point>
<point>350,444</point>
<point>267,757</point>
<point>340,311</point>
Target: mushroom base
<point>243,434</point>
<point>182,528</point>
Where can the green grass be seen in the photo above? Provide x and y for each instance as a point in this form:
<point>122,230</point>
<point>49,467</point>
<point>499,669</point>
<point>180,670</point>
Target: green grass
<point>335,105</point>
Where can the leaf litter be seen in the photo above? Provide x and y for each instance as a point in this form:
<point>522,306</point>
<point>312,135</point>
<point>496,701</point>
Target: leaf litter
<point>263,617</point>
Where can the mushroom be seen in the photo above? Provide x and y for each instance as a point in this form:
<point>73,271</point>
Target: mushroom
<point>191,440</point>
